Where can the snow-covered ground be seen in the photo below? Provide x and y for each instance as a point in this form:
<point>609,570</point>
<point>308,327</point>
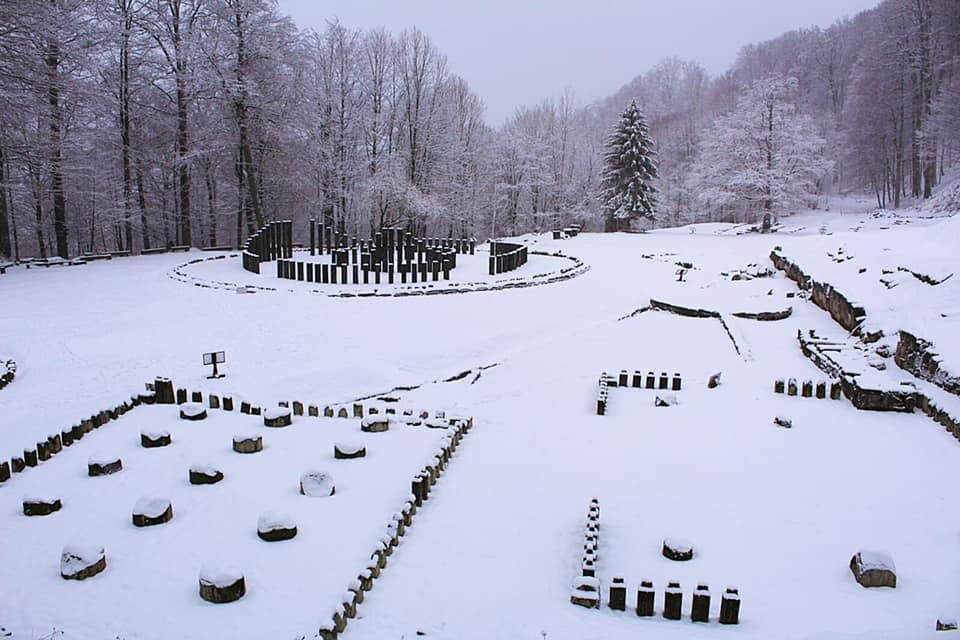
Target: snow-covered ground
<point>776,512</point>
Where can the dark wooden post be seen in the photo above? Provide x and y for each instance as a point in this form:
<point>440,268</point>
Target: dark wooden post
<point>645,596</point>
<point>672,601</point>
<point>701,604</point>
<point>163,388</point>
<point>730,606</point>
<point>651,380</point>
<point>779,386</point>
<point>637,380</point>
<point>618,595</point>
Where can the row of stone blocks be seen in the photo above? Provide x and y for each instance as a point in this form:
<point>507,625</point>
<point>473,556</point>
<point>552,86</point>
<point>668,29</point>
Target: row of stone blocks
<point>9,372</point>
<point>355,274</point>
<point>637,382</point>
<point>807,389</point>
<point>939,415</point>
<point>672,600</point>
<point>420,487</point>
<point>56,442</point>
<point>591,542</point>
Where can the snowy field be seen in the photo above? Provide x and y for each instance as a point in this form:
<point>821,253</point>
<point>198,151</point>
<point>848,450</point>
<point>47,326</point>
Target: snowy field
<point>777,513</point>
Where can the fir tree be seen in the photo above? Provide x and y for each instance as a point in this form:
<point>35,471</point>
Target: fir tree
<point>626,188</point>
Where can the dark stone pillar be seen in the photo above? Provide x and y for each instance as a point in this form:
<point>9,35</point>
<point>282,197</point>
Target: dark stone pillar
<point>637,380</point>
<point>163,388</point>
<point>663,380</point>
<point>730,606</point>
<point>645,595</point>
<point>651,380</point>
<point>677,383</point>
<point>618,595</point>
<point>672,601</point>
<point>701,604</point>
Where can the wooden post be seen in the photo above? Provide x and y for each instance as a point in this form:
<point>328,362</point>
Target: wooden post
<point>701,604</point>
<point>645,596</point>
<point>672,601</point>
<point>730,606</point>
<point>618,595</point>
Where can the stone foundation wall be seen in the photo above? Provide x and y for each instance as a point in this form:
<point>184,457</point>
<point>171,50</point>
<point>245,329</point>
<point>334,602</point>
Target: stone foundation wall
<point>917,356</point>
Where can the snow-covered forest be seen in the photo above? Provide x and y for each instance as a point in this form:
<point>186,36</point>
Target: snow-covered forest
<point>130,124</point>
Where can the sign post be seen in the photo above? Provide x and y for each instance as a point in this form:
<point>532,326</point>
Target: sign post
<point>215,358</point>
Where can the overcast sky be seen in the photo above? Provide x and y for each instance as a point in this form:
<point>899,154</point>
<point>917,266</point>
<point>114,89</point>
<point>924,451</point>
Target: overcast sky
<point>518,52</point>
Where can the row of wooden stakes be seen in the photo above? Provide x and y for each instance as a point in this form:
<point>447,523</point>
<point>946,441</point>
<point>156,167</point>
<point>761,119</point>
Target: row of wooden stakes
<point>420,488</point>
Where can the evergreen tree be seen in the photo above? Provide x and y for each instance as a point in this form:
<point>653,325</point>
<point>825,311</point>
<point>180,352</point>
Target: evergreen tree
<point>626,188</point>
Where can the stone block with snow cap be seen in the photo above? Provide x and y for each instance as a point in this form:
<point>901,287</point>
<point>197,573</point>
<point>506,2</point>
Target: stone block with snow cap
<point>79,562</point>
<point>317,484</point>
<point>874,569</point>
<point>221,584</point>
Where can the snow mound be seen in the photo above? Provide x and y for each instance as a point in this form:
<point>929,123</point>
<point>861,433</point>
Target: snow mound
<point>317,484</point>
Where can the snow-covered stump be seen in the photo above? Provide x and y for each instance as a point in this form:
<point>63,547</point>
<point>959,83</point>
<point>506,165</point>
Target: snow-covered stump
<point>193,411</point>
<point>4,471</point>
<point>148,397</point>
<point>672,601</point>
<point>651,381</point>
<point>664,381</point>
<point>645,598</point>
<point>163,391</point>
<point>622,378</point>
<point>275,527</point>
<point>181,396</point>
<point>155,439</point>
<point>297,408</point>
<point>328,412</point>
<point>79,562</point>
<point>36,506</point>
<point>374,425</point>
<point>317,484</point>
<point>637,381</point>
<point>792,387</point>
<point>618,595</point>
<point>56,443</point>
<point>357,410</point>
<point>148,512</point>
<point>348,450</point>
<point>43,451</point>
<point>821,391</point>
<point>245,407</point>
<point>714,380</point>
<point>399,523</point>
<point>196,397</point>
<point>874,569</point>
<point>586,593</point>
<point>676,383</point>
<point>365,578</point>
<point>66,438</point>
<point>204,474</point>
<point>700,611</point>
<point>227,403</point>
<point>277,417</point>
<point>730,606</point>
<point>356,592</point>
<point>17,465</point>
<point>213,401</point>
<point>221,585</point>
<point>677,549</point>
<point>313,411</point>
<point>30,458</point>
<point>248,444</point>
<point>103,466</point>
<point>343,413</point>
<point>806,389</point>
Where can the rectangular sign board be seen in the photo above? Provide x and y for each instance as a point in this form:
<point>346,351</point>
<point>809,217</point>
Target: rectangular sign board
<point>217,357</point>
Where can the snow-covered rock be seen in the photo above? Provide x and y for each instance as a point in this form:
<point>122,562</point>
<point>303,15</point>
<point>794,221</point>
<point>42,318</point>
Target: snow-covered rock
<point>204,474</point>
<point>317,484</point>
<point>247,443</point>
<point>273,526</point>
<point>372,424</point>
<point>348,450</point>
<point>150,511</point>
<point>277,417</point>
<point>677,549</point>
<point>103,466</point>
<point>155,438</point>
<point>79,562</point>
<point>193,411</point>
<point>40,506</point>
<point>221,584</point>
<point>874,569</point>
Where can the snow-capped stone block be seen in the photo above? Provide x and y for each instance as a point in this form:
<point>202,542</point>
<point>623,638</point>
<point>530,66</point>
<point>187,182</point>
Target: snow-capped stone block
<point>247,444</point>
<point>103,466</point>
<point>317,484</point>
<point>677,549</point>
<point>193,411</point>
<point>586,592</point>
<point>38,506</point>
<point>874,569</point>
<point>730,606</point>
<point>714,381</point>
<point>372,424</point>
<point>780,421</point>
<point>155,439</point>
<point>436,423</point>
<point>946,624</point>
<point>205,474</point>
<point>221,584</point>
<point>277,417</point>
<point>348,450</point>
<point>274,527</point>
<point>79,562</point>
<point>152,511</point>
<point>665,400</point>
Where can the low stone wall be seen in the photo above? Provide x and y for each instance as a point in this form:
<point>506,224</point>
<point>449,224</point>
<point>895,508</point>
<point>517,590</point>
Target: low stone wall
<point>848,315</point>
<point>917,356</point>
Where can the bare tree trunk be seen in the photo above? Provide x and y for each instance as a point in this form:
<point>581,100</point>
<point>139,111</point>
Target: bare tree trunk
<point>183,130</point>
<point>126,15</point>
<point>211,204</point>
<point>56,149</point>
<point>35,190</point>
<point>4,216</point>
<point>142,201</point>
